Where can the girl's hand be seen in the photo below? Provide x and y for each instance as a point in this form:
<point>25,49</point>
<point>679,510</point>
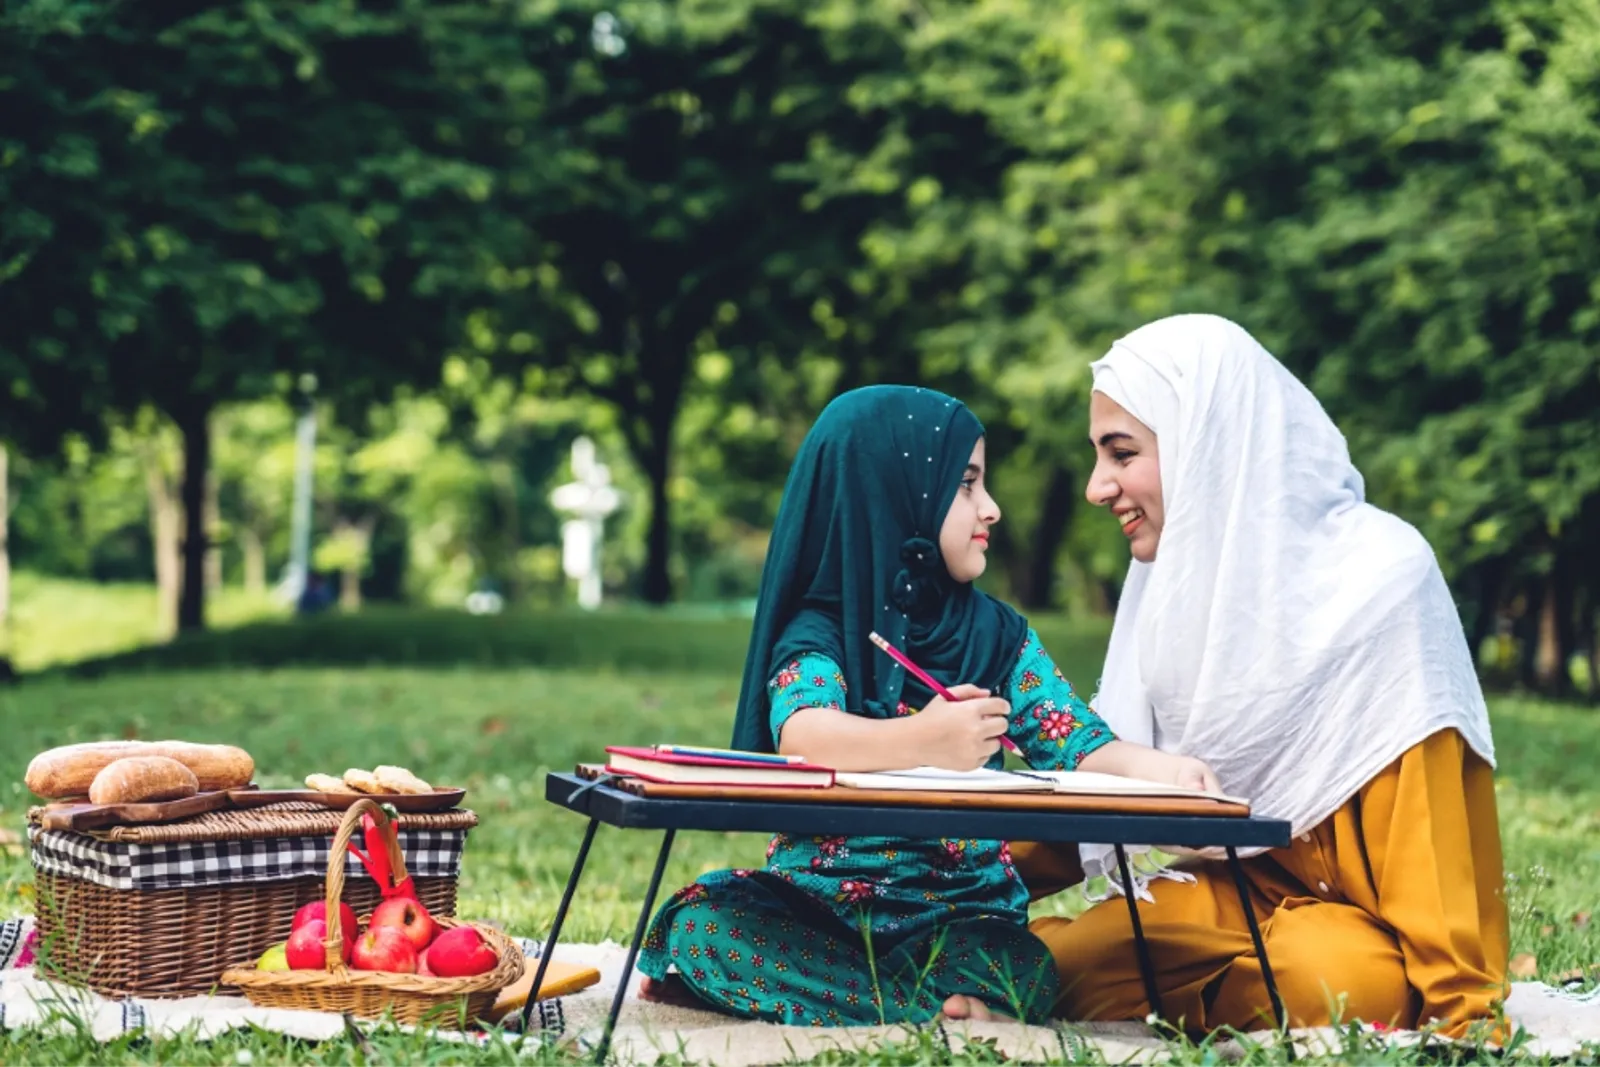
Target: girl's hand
<point>962,734</point>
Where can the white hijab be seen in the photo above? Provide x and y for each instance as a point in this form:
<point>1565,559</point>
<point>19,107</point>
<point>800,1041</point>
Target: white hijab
<point>1294,637</point>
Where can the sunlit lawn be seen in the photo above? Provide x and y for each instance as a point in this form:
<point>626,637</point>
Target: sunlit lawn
<point>497,730</point>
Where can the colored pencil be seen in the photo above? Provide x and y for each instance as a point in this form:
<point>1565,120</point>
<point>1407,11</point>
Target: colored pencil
<point>730,754</point>
<point>926,679</point>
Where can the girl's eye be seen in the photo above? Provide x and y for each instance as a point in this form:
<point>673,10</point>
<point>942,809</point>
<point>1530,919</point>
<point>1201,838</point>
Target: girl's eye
<point>1122,455</point>
<point>968,483</point>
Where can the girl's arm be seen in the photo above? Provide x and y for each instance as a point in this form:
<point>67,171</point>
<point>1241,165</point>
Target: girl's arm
<point>958,736</point>
<point>1057,730</point>
<point>808,719</point>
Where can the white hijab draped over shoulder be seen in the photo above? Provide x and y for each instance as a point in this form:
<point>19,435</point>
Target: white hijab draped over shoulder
<point>1294,637</point>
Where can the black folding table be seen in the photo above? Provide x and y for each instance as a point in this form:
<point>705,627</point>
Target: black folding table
<point>603,803</point>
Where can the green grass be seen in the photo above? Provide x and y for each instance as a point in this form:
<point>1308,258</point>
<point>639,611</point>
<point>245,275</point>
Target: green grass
<point>630,677</point>
<point>57,620</point>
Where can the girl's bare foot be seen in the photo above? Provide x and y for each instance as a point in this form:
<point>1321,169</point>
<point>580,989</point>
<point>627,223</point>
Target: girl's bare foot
<point>964,1007</point>
<point>669,990</point>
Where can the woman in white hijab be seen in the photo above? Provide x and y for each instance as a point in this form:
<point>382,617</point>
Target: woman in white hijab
<point>1303,644</point>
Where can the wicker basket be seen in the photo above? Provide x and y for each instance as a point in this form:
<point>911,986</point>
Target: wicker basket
<point>408,998</point>
<point>175,942</point>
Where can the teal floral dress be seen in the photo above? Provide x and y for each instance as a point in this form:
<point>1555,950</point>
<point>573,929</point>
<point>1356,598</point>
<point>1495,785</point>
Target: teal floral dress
<point>837,931</point>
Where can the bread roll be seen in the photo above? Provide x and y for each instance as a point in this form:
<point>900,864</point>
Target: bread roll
<point>327,783</point>
<point>362,781</point>
<point>400,780</point>
<point>142,779</point>
<point>68,770</point>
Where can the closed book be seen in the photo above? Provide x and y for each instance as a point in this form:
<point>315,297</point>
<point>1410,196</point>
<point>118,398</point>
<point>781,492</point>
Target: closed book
<point>656,766</point>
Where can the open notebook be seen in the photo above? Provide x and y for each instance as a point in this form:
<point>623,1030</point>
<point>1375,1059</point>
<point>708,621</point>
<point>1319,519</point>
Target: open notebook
<point>938,779</point>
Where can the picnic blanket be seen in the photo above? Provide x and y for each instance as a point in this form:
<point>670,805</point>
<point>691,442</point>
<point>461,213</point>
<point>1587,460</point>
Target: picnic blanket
<point>1562,1023</point>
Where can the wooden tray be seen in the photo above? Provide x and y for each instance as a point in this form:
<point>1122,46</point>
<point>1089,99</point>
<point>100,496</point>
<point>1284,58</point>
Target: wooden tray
<point>928,798</point>
<point>87,816</point>
<point>440,799</point>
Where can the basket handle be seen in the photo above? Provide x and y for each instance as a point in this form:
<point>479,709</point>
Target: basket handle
<point>334,888</point>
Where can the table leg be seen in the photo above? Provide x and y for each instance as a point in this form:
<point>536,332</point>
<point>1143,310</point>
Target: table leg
<point>561,917</point>
<point>1146,969</point>
<point>1243,886</point>
<point>633,949</point>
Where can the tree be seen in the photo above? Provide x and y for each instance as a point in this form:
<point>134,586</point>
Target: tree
<point>684,228</point>
<point>1405,206</point>
<point>219,199</point>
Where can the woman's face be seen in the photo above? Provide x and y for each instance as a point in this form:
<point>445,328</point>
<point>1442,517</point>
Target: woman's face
<point>964,537</point>
<point>1127,474</point>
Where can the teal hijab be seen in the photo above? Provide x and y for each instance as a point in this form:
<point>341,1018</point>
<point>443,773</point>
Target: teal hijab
<point>856,548</point>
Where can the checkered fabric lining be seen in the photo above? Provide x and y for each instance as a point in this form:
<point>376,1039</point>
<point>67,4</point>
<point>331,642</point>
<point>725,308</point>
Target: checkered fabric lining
<point>178,865</point>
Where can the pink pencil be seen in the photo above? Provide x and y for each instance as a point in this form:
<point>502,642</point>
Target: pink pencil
<point>927,680</point>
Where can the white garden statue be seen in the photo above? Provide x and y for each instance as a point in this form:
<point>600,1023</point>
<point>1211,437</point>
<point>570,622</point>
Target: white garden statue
<point>588,498</point>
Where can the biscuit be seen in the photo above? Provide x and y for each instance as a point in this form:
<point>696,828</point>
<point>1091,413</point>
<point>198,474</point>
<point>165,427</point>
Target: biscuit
<point>400,780</point>
<point>327,783</point>
<point>362,781</point>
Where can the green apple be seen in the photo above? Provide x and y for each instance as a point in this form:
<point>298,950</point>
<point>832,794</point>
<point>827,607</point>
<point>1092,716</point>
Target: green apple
<point>273,959</point>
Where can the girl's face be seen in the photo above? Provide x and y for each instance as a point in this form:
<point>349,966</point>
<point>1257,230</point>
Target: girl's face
<point>1127,474</point>
<point>964,537</point>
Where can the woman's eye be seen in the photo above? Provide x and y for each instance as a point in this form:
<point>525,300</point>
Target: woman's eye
<point>968,483</point>
<point>1122,455</point>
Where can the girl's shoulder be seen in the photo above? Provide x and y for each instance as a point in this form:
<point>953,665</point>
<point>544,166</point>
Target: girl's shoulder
<point>803,665</point>
<point>1034,660</point>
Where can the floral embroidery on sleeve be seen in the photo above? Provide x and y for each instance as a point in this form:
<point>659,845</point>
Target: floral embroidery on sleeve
<point>1049,722</point>
<point>811,680</point>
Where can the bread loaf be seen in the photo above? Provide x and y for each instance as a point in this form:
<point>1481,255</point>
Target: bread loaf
<point>142,779</point>
<point>68,770</point>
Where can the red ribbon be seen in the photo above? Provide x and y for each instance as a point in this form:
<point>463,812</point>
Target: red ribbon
<point>376,858</point>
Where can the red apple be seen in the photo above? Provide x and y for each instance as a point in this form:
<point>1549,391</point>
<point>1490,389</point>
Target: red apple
<point>422,965</point>
<point>304,950</point>
<point>409,917</point>
<point>318,909</point>
<point>384,948</point>
<point>459,952</point>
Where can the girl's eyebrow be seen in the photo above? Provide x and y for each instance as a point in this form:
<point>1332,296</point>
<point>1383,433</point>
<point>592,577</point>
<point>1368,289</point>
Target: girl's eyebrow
<point>1114,435</point>
<point>973,468</point>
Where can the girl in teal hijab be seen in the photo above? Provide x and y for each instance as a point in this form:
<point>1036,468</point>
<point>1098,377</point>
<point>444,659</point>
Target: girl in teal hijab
<point>884,527</point>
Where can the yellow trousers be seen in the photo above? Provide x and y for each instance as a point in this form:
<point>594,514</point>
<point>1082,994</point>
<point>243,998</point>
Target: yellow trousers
<point>1391,910</point>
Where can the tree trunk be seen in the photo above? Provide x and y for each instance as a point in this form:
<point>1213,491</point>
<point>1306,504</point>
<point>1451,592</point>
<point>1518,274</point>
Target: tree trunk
<point>195,424</point>
<point>658,555</point>
<point>1055,513</point>
<point>659,412</point>
<point>164,525</point>
<point>213,519</point>
<point>255,560</point>
<point>359,535</point>
<point>5,553</point>
<point>1549,659</point>
<point>350,587</point>
<point>1489,578</point>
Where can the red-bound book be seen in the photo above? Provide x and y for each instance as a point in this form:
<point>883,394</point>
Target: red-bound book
<point>682,768</point>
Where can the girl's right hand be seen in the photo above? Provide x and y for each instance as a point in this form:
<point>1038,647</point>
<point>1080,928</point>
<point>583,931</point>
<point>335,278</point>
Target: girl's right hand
<point>962,734</point>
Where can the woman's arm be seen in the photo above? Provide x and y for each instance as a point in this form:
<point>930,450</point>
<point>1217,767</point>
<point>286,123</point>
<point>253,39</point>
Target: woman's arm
<point>1137,761</point>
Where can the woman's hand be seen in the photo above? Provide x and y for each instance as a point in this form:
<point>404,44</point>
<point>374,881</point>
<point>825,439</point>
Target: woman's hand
<point>1137,761</point>
<point>961,735</point>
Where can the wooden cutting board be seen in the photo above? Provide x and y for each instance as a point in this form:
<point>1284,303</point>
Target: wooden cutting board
<point>85,816</point>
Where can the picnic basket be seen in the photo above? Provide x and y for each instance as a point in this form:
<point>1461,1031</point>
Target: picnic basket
<point>159,910</point>
<point>408,998</point>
